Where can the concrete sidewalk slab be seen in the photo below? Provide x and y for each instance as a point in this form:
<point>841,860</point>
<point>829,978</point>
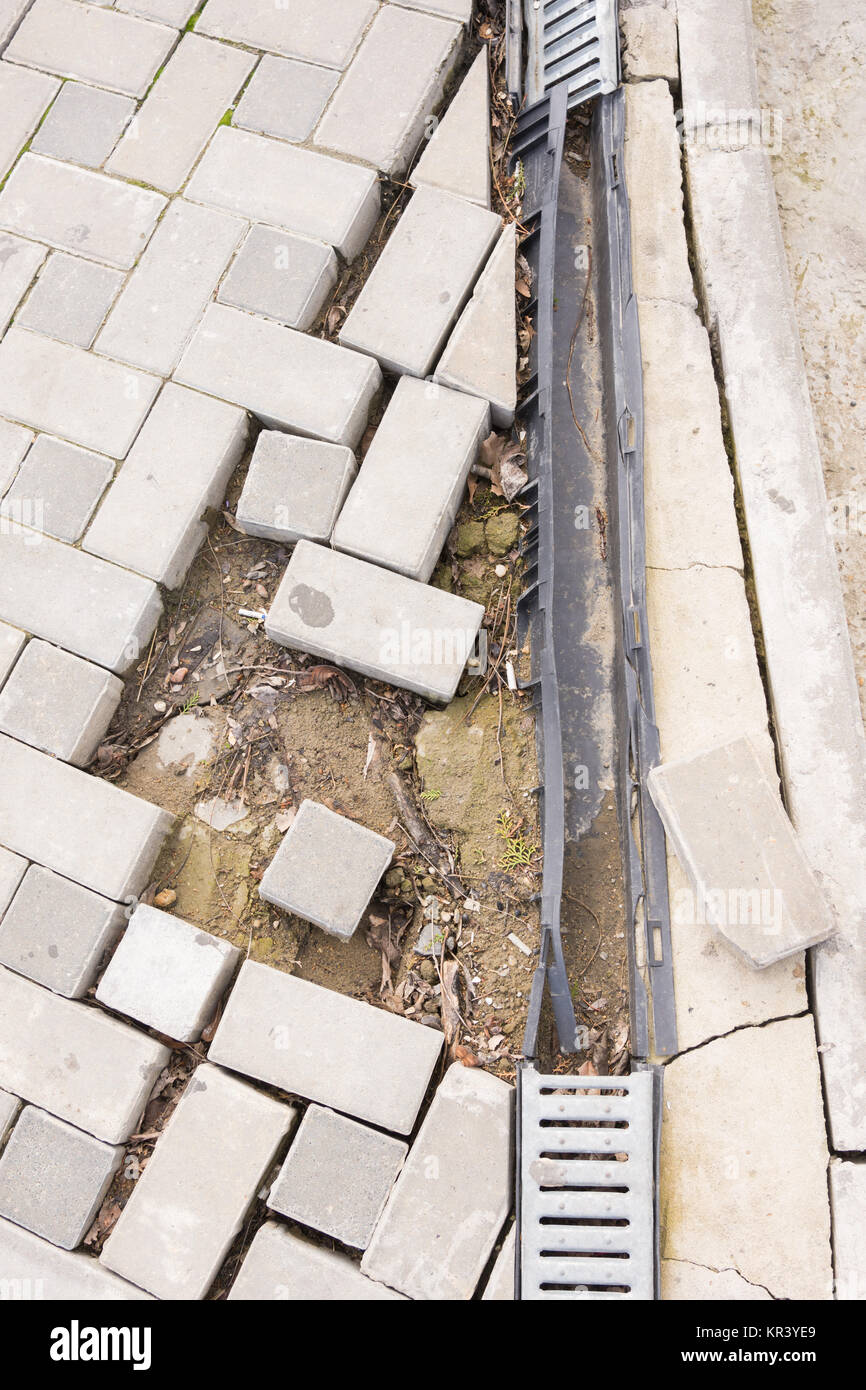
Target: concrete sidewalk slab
<point>654,177</point>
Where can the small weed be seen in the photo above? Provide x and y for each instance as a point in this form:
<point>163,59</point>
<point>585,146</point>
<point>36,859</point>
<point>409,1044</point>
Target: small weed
<point>431,795</point>
<point>519,852</point>
<point>191,703</point>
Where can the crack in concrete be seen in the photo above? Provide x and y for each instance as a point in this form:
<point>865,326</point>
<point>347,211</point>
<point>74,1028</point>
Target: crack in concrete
<point>740,1028</point>
<point>725,1269</point>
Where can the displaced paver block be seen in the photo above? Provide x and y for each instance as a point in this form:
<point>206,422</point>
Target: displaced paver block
<point>326,36</point>
<point>82,827</point>
<point>281,1266</point>
<point>24,97</point>
<point>294,488</point>
<point>53,1177</point>
<point>74,1060</point>
<point>848,1205</point>
<point>21,260</point>
<point>9,1107</point>
<point>457,1178</point>
<point>89,607</point>
<point>288,380</point>
<point>57,488</point>
<point>326,1047</point>
<point>283,277</point>
<point>337,1176</point>
<point>285,98</point>
<point>379,111</point>
<point>70,299</point>
<point>167,974</point>
<point>411,483</point>
<point>12,870</point>
<point>57,933</point>
<point>83,125</point>
<point>653,166</point>
<point>189,1204</point>
<point>97,45</point>
<point>33,1269</point>
<point>374,621</point>
<point>299,190</point>
<point>481,356</point>
<point>59,703</point>
<point>649,34</point>
<point>457,158</point>
<point>180,465</point>
<point>500,1285</point>
<point>11,645</point>
<point>301,878</point>
<point>421,281</point>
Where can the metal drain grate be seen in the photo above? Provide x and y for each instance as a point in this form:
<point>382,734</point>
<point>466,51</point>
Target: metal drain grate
<point>587,1181</point>
<point>573,41</point>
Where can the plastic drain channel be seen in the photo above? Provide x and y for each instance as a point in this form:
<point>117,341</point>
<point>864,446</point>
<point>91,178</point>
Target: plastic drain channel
<point>571,41</point>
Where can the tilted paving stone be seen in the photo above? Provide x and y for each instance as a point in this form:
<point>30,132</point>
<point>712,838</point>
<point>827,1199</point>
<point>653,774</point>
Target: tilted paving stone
<point>70,726</point>
<point>280,1266</point>
<point>12,870</point>
<point>379,111</point>
<point>413,477</point>
<point>294,488</point>
<point>24,96</point>
<point>190,1202</point>
<point>167,974</point>
<point>290,381</point>
<point>20,260</point>
<point>848,1205</point>
<point>11,645</point>
<point>57,933</point>
<point>653,166</point>
<point>9,1107</point>
<point>481,355</point>
<point>300,190</point>
<point>326,1047</point>
<point>168,291</point>
<point>15,440</point>
<point>81,826</point>
<point>374,621</point>
<point>57,488</point>
<point>77,601</point>
<point>53,1177</point>
<point>285,98</point>
<point>328,36</point>
<point>75,1061</point>
<point>299,878</point>
<point>421,281</point>
<point>11,14</point>
<point>101,46</point>
<point>457,1178</point>
<point>83,125</point>
<point>500,1285</point>
<point>282,276</point>
<point>181,113</point>
<point>35,1270</point>
<point>70,299</point>
<point>457,156</point>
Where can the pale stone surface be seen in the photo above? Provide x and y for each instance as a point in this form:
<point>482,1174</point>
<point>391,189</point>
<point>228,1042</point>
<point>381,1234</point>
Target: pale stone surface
<point>11,644</point>
<point>300,190</point>
<point>24,96</point>
<point>326,36</point>
<point>15,440</point>
<point>57,488</point>
<point>81,826</point>
<point>450,1201</point>
<point>167,974</point>
<point>285,98</point>
<point>450,9</point>
<point>11,14</point>
<point>172,284</point>
<point>57,932</point>
<point>19,262</point>
<point>83,125</point>
<point>101,46</point>
<point>848,1205</point>
<point>179,466</point>
<point>280,1266</point>
<point>70,299</point>
<point>326,1047</point>
<point>300,877</point>
<point>649,34</point>
<point>655,185</point>
<point>188,1205</point>
<point>457,156</point>
<point>727,1107</point>
<point>374,621</point>
<point>175,12</point>
<point>75,1061</point>
<point>181,113</point>
<point>411,484</point>
<point>481,355</point>
<point>53,1177</point>
<point>33,1269</point>
<point>294,488</point>
<point>283,277</point>
<point>682,1280</point>
<point>12,870</point>
<point>379,111</point>
<point>421,281</point>
<point>9,1107</point>
<point>290,381</point>
<point>717,59</point>
<point>71,727</point>
<point>500,1285</point>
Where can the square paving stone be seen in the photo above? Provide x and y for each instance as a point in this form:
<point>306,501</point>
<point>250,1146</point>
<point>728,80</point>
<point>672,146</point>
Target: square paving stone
<point>56,932</point>
<point>57,488</point>
<point>53,1177</point>
<point>285,98</point>
<point>59,703</point>
<point>295,488</point>
<point>284,277</point>
<point>337,1176</point>
<point>327,869</point>
<point>70,299</point>
<point>84,125</point>
<point>167,974</point>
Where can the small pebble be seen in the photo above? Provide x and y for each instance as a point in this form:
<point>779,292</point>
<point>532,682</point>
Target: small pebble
<point>160,706</point>
<point>500,571</point>
<point>167,898</point>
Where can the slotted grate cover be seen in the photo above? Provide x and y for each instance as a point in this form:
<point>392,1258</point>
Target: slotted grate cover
<point>587,1225</point>
<point>576,41</point>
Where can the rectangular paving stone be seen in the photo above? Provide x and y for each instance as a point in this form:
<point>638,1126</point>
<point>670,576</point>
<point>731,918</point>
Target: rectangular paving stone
<point>83,125</point>
<point>181,112</point>
<point>70,725</point>
<point>379,112</point>
<point>374,621</point>
<point>12,870</point>
<point>328,36</point>
<point>15,440</point>
<point>190,1202</point>
<point>294,488</point>
<point>180,465</point>
<point>175,12</point>
<point>24,97</point>
<point>500,1285</point>
<point>56,932</point>
<point>97,45</point>
<point>11,14</point>
<point>281,1266</point>
<point>481,356</point>
<point>299,190</point>
<point>20,262</point>
<point>653,166</point>
<point>33,1269</point>
<point>411,484</point>
<point>451,9</point>
<point>848,1205</point>
<point>457,1178</point>
<point>281,276</point>
<point>326,1047</point>
<point>9,1107</point>
<point>53,1177</point>
<point>70,299</point>
<point>82,827</point>
<point>285,98</point>
<point>456,157</point>
<point>78,210</point>
<point>91,608</point>
<point>57,488</point>
<point>421,281</point>
<point>288,380</point>
<point>11,645</point>
<point>74,1060</point>
<point>65,391</point>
